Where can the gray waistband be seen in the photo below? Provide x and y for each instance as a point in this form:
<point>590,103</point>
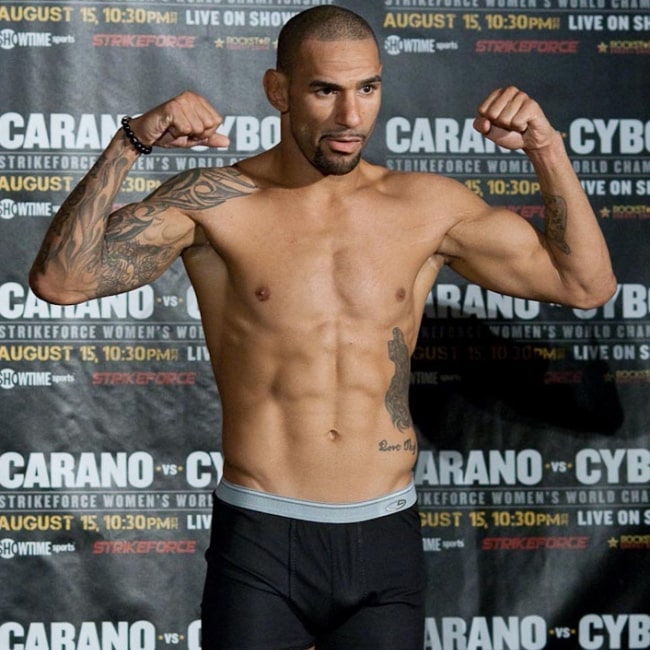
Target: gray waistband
<point>333,513</point>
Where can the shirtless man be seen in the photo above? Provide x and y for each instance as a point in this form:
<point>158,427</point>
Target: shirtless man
<point>311,267</point>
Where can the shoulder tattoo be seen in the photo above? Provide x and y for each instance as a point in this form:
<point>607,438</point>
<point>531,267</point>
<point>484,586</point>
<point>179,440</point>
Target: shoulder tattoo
<point>200,189</point>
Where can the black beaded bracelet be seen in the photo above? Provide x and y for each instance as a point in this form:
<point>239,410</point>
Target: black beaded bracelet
<point>139,147</point>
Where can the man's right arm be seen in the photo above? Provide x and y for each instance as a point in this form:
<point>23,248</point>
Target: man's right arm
<point>89,251</point>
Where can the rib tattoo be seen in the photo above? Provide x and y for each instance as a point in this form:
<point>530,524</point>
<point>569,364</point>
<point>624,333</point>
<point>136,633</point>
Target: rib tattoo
<point>396,399</point>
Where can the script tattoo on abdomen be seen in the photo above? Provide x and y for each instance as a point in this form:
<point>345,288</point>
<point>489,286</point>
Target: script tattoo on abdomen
<point>396,399</point>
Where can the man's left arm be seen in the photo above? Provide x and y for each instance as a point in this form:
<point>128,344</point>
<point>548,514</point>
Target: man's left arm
<point>572,237</point>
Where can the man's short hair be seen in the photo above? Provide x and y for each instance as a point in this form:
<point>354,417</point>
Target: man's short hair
<point>323,23</point>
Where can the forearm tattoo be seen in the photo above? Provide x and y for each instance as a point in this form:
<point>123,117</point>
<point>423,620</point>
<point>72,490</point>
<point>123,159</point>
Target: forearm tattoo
<point>75,233</point>
<point>556,215</point>
<point>396,399</point>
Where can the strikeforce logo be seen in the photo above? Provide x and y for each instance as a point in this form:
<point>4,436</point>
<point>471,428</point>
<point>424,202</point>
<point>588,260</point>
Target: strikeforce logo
<point>144,40</point>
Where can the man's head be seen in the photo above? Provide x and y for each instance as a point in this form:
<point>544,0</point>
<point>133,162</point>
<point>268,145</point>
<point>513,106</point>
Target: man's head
<point>323,23</point>
<point>327,86</point>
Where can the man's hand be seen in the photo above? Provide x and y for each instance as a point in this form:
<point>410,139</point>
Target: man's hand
<point>187,120</point>
<point>511,119</point>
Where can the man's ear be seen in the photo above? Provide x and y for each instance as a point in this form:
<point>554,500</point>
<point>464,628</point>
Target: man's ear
<point>276,87</point>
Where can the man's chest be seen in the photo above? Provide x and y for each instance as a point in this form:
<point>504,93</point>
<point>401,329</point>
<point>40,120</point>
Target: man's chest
<point>295,255</point>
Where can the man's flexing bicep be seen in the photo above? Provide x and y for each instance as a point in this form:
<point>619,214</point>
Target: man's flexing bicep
<point>87,255</point>
<point>90,251</point>
<point>501,251</point>
<point>141,241</point>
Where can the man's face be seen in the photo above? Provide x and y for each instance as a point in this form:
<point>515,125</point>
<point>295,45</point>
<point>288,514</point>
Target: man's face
<point>334,99</point>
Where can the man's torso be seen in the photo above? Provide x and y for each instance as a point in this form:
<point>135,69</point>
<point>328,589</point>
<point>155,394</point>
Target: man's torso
<point>311,304</point>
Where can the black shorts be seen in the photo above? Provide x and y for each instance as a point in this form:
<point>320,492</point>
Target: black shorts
<point>281,583</point>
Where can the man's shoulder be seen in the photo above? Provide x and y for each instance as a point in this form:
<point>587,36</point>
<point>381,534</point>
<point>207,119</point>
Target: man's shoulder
<point>220,180</point>
<point>415,184</point>
<point>227,173</point>
<point>201,188</point>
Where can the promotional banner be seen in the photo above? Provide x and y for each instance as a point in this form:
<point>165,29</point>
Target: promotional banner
<point>533,468</point>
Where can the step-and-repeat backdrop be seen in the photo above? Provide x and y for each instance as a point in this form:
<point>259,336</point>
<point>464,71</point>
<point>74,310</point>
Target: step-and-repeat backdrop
<point>534,419</point>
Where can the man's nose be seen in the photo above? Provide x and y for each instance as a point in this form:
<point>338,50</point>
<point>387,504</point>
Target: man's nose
<point>348,110</point>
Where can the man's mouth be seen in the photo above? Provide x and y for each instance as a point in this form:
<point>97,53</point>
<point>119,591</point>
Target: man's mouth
<point>344,144</point>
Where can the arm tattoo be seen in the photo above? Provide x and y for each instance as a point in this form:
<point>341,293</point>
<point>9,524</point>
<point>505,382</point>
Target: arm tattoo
<point>396,399</point>
<point>77,215</point>
<point>200,189</point>
<point>555,213</point>
<point>114,249</point>
<point>138,263</point>
<point>126,262</point>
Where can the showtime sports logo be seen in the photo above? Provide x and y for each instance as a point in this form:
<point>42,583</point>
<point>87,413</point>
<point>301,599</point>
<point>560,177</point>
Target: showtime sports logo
<point>10,209</point>
<point>10,378</point>
<point>10,549</point>
<point>395,45</point>
<point>9,39</point>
